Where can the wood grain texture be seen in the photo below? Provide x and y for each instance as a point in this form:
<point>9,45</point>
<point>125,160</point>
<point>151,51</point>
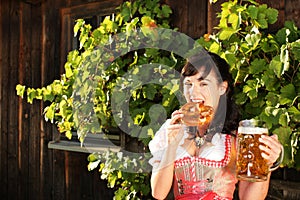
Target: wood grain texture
<point>36,36</point>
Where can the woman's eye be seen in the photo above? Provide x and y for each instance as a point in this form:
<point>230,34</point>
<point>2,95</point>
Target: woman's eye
<point>203,84</point>
<point>188,84</point>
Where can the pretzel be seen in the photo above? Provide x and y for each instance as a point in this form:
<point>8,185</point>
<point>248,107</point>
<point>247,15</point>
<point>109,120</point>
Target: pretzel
<point>196,114</point>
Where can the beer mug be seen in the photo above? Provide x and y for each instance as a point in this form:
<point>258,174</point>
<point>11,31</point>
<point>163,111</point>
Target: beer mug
<point>251,166</point>
<point>196,114</point>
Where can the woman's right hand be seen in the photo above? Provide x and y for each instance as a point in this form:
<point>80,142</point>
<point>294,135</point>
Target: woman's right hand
<point>175,128</point>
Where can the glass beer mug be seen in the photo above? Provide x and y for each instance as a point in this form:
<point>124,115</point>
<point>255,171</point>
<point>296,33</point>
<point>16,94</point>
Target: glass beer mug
<point>251,166</point>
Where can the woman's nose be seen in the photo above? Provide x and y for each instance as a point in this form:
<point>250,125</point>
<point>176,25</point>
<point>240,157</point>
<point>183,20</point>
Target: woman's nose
<point>194,91</point>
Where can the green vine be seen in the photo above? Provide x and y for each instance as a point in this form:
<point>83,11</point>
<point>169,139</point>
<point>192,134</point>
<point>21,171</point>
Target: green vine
<point>80,68</point>
<point>82,98</point>
<point>119,170</point>
<point>265,67</point>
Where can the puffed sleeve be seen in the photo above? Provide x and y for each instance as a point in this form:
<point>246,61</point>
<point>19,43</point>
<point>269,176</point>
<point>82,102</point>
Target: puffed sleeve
<point>158,144</point>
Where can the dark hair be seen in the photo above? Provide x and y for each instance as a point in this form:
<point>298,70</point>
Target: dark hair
<point>225,120</point>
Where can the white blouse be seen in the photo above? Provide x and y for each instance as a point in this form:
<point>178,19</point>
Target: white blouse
<point>157,146</point>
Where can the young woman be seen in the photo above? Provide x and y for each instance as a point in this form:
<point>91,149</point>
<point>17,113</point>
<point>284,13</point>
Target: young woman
<point>199,162</point>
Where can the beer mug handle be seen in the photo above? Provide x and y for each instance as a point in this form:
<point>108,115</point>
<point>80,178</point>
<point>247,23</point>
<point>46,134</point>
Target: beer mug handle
<point>278,162</point>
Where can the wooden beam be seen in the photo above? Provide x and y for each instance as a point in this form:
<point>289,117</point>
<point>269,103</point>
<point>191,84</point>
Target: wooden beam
<point>92,143</point>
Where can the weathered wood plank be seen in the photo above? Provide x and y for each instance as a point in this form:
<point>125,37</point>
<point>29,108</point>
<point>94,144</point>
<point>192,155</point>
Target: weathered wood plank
<point>4,19</point>
<point>73,176</point>
<point>54,172</point>
<point>12,106</point>
<point>212,20</point>
<point>1,58</point>
<point>35,114</point>
<point>24,122</point>
<point>180,14</point>
<point>292,11</point>
<point>58,175</point>
<point>197,18</point>
<point>76,182</point>
<point>99,188</point>
<point>49,72</point>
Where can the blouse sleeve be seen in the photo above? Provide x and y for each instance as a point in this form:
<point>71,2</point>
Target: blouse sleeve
<point>158,144</point>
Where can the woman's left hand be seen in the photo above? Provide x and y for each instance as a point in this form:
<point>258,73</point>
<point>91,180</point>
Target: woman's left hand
<point>271,148</point>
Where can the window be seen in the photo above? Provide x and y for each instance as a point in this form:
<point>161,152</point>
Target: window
<point>93,13</point>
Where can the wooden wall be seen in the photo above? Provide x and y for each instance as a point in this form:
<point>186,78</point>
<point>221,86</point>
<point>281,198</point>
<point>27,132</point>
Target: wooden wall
<point>32,53</point>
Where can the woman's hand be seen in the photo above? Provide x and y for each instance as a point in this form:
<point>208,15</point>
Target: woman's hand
<point>174,127</point>
<point>271,148</point>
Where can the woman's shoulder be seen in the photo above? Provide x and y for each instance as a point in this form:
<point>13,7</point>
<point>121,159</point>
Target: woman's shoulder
<point>159,141</point>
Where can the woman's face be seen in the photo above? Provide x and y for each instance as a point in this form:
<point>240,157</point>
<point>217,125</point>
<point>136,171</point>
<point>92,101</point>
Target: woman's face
<point>206,90</point>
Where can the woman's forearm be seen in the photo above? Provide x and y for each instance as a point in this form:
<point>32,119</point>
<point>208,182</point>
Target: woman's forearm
<point>162,174</point>
<point>161,182</point>
<point>254,190</point>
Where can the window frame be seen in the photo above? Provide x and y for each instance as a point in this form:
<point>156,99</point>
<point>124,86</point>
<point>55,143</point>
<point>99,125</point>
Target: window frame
<point>68,17</point>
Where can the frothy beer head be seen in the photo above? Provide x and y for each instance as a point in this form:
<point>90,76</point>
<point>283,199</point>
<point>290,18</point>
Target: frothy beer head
<point>252,130</point>
<point>252,126</point>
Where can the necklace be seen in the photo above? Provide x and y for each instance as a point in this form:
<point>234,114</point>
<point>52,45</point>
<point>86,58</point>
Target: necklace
<point>198,138</point>
<point>193,130</point>
<point>199,141</point>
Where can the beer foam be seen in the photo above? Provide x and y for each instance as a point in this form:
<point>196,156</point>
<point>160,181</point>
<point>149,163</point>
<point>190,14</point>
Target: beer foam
<point>252,130</point>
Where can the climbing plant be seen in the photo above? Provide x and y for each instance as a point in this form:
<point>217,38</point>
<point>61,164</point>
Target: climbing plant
<point>107,71</point>
<point>265,67</point>
<point>111,63</point>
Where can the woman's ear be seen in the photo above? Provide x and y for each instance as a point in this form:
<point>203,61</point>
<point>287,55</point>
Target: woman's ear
<point>223,87</point>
